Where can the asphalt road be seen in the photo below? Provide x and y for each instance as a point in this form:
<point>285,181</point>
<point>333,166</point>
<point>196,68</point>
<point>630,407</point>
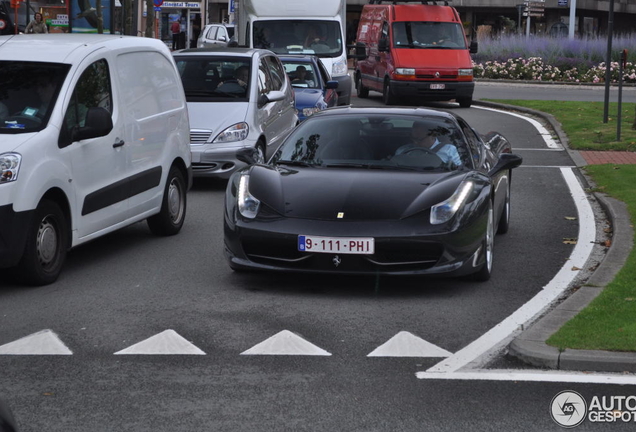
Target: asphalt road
<point>130,286</point>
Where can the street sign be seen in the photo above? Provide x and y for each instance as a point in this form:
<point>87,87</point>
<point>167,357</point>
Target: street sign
<point>158,3</point>
<point>562,3</point>
<point>157,9</point>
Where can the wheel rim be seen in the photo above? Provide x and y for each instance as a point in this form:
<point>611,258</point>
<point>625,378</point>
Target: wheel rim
<point>175,201</point>
<point>490,239</point>
<point>261,155</point>
<point>47,241</point>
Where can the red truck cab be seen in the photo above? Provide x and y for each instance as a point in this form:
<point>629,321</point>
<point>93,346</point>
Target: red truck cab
<point>414,50</point>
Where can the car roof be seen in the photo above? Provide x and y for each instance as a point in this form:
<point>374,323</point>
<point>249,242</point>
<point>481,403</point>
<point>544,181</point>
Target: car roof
<point>226,52</point>
<point>66,47</point>
<point>416,111</point>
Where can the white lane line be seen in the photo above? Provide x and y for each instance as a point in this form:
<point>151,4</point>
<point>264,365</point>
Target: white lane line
<point>168,342</point>
<point>547,136</point>
<point>537,149</point>
<point>286,343</point>
<point>547,166</point>
<point>536,376</point>
<point>405,344</point>
<point>44,342</point>
<point>503,332</point>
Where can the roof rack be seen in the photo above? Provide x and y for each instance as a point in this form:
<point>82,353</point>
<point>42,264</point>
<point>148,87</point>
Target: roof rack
<point>428,2</point>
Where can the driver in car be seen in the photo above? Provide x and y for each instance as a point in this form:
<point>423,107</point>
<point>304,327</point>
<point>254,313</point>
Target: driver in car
<point>423,138</point>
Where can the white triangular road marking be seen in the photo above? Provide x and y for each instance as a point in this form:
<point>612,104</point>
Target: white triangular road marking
<point>44,342</point>
<point>405,344</point>
<point>286,343</point>
<point>168,342</point>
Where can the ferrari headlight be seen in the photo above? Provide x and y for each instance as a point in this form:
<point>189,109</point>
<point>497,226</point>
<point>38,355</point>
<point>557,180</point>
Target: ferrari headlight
<point>339,67</point>
<point>445,210</point>
<point>237,132</point>
<point>9,167</point>
<point>247,204</point>
<point>309,111</point>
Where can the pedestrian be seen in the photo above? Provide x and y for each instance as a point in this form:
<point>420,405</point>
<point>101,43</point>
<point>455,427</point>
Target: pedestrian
<point>175,28</point>
<point>37,25</point>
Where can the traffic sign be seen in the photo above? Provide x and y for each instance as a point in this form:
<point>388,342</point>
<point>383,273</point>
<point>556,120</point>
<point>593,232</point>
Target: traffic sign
<point>158,2</point>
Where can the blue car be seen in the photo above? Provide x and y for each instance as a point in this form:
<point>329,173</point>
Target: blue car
<point>313,87</point>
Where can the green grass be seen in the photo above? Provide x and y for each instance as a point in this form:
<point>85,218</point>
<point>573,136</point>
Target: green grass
<point>609,321</point>
<point>583,122</point>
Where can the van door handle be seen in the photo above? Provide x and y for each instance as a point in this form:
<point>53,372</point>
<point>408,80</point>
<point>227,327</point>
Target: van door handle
<point>119,143</point>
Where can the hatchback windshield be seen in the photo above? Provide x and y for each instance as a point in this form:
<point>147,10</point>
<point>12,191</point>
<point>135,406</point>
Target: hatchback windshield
<point>374,141</point>
<point>215,79</point>
<point>28,91</point>
<point>322,38</point>
<point>432,35</point>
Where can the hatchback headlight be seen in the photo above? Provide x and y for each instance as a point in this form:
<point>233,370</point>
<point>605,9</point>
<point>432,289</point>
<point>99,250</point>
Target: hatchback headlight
<point>247,204</point>
<point>445,210</point>
<point>309,111</point>
<point>9,167</point>
<point>237,132</point>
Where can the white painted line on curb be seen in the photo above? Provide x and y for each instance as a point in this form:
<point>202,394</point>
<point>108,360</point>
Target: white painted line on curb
<point>536,376</point>
<point>503,332</point>
<point>547,166</point>
<point>537,149</point>
<point>545,134</point>
<point>44,342</point>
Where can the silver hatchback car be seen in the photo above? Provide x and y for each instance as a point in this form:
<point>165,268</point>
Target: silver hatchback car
<point>216,35</point>
<point>237,98</point>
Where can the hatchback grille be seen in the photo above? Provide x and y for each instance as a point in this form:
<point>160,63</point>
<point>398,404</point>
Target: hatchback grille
<point>199,136</point>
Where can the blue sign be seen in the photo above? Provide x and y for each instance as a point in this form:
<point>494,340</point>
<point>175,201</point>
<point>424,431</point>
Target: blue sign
<point>563,3</point>
<point>157,9</point>
<point>231,5</point>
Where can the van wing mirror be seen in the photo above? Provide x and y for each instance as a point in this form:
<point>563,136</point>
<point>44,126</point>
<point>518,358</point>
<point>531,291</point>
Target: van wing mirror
<point>383,45</point>
<point>99,122</point>
<point>473,47</point>
<point>360,51</point>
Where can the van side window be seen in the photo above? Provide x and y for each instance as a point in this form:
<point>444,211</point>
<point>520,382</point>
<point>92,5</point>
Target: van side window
<point>92,90</point>
<point>276,71</point>
<point>385,32</point>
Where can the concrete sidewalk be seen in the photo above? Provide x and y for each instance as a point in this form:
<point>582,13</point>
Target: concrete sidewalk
<point>530,345</point>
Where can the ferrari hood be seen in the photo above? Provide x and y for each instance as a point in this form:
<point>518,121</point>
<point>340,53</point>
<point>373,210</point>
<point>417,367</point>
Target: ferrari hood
<point>359,194</point>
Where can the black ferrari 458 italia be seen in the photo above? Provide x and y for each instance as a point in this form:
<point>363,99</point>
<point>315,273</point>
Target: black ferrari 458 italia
<point>395,191</point>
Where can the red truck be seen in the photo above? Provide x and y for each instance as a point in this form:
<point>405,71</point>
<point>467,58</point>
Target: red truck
<point>414,49</point>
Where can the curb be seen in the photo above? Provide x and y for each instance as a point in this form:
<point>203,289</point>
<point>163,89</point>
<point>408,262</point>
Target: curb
<point>530,346</point>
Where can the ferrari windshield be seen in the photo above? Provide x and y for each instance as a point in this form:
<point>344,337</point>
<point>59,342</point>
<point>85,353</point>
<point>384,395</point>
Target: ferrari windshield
<point>322,38</point>
<point>376,141</point>
<point>28,91</point>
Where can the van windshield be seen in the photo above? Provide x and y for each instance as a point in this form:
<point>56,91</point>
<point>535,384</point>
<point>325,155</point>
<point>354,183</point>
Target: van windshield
<point>430,35</point>
<point>215,79</point>
<point>321,38</point>
<point>28,92</point>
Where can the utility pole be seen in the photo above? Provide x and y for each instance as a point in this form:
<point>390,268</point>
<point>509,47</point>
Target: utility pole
<point>572,19</point>
<point>608,61</point>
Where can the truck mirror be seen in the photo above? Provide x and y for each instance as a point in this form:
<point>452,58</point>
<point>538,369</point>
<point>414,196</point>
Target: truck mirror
<point>473,47</point>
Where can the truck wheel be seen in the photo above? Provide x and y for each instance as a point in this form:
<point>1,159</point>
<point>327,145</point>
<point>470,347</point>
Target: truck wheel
<point>361,90</point>
<point>465,102</point>
<point>387,96</point>
<point>173,206</point>
<point>46,245</point>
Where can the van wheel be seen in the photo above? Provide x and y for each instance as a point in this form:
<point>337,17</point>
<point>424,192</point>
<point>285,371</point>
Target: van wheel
<point>46,245</point>
<point>465,102</point>
<point>387,96</point>
<point>173,207</point>
<point>361,90</point>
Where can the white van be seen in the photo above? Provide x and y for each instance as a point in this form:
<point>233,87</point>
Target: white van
<point>94,136</point>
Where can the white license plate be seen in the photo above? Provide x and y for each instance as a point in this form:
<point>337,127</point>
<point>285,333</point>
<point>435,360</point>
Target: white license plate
<point>342,245</point>
<point>438,86</point>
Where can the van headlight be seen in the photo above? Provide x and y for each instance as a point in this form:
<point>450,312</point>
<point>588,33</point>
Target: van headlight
<point>248,205</point>
<point>465,72</point>
<point>405,71</point>
<point>445,210</point>
<point>237,132</point>
<point>9,167</point>
<point>339,67</point>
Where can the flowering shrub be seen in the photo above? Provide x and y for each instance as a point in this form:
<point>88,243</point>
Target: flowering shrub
<point>549,59</point>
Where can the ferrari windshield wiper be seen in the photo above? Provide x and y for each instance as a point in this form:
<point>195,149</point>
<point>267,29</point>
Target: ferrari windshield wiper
<point>294,163</point>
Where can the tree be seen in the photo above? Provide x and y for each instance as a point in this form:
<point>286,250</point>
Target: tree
<point>150,19</point>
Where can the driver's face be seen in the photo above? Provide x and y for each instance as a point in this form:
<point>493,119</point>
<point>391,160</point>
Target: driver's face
<point>421,136</point>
